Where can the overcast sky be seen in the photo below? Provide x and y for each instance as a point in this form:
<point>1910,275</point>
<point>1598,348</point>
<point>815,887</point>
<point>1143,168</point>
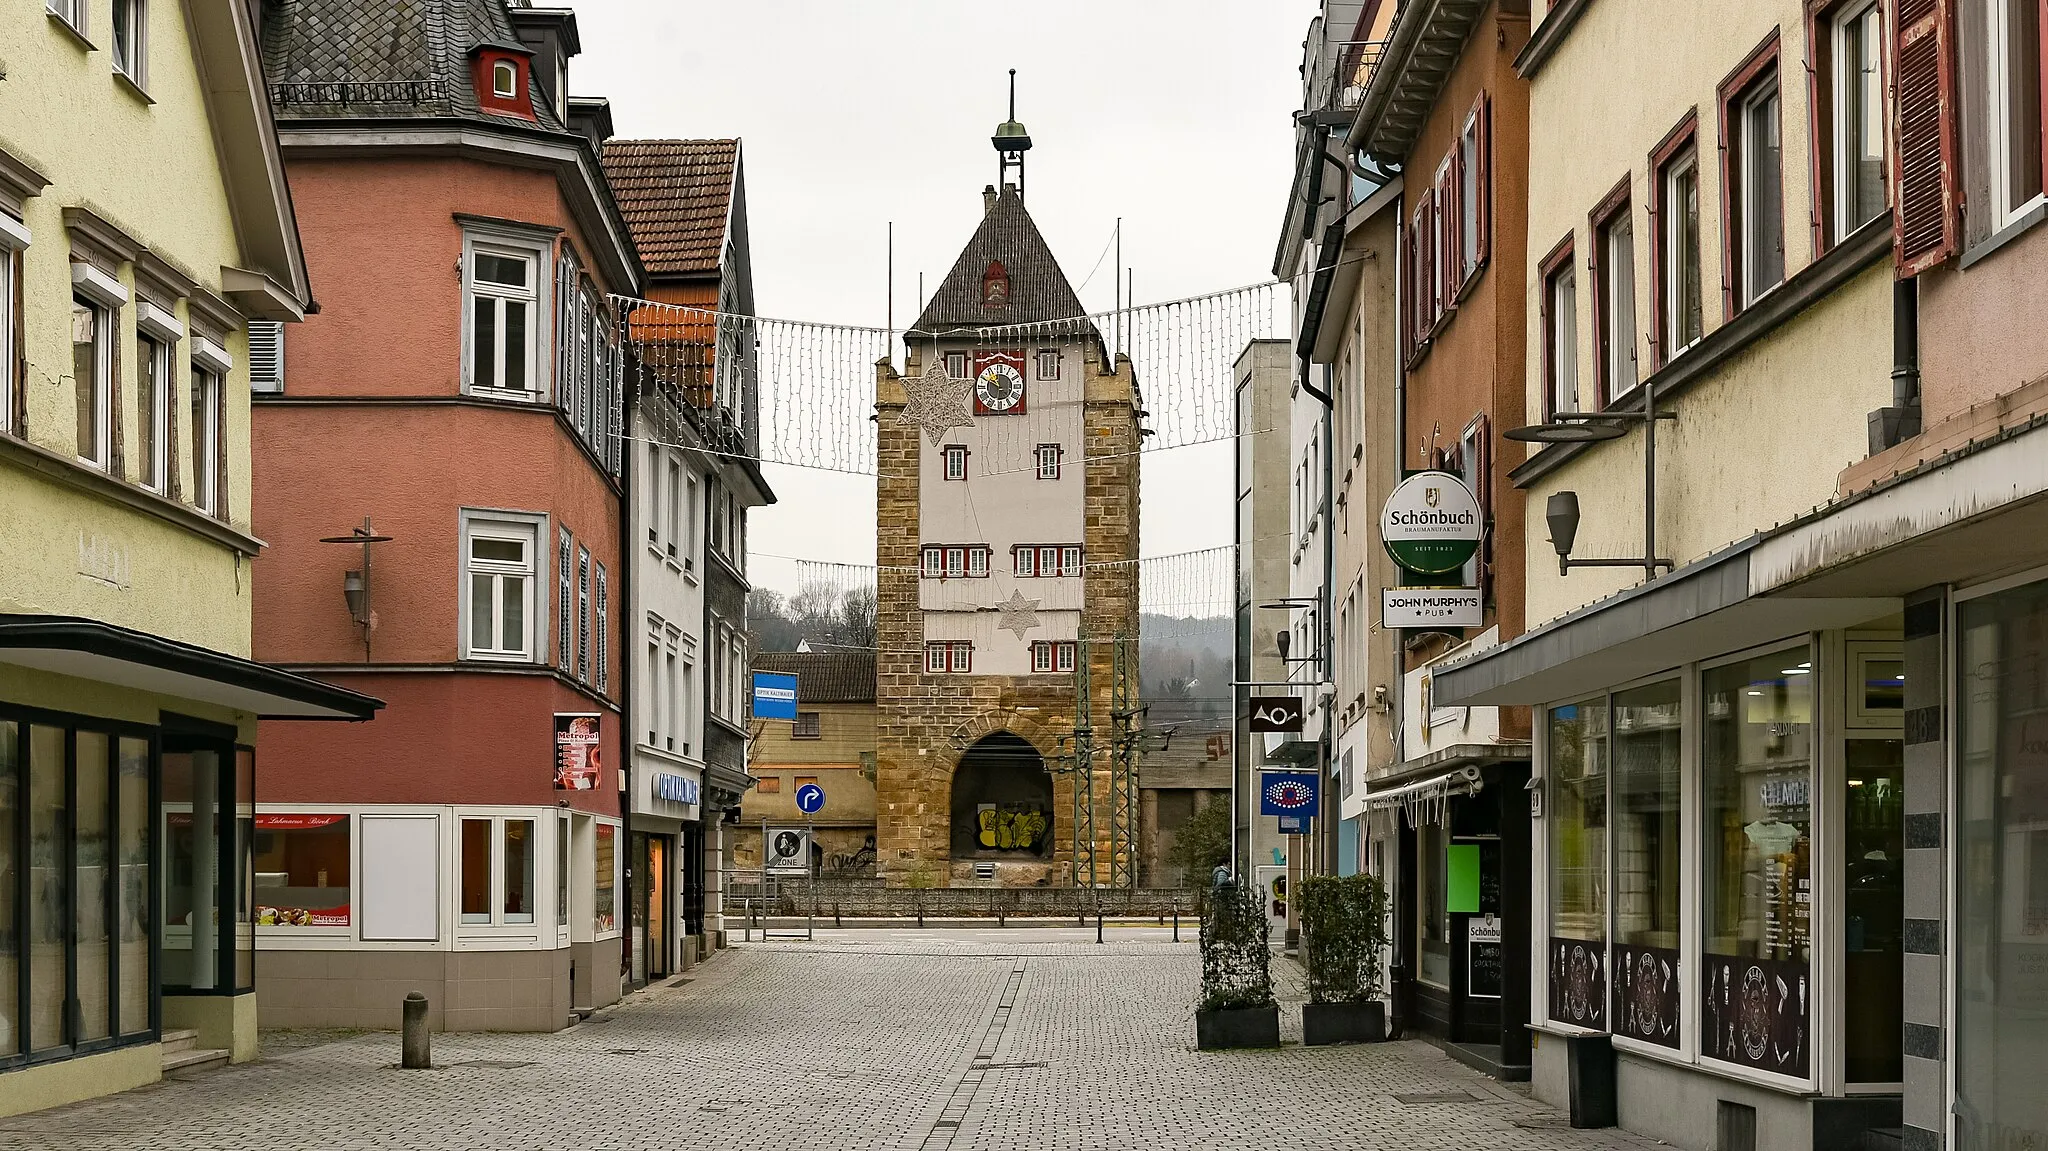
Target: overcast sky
<point>1174,116</point>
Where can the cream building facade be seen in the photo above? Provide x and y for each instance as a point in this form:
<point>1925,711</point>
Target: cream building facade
<point>145,228</point>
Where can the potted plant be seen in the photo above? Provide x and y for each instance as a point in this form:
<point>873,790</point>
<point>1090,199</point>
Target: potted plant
<point>1237,1008</point>
<point>1344,935</point>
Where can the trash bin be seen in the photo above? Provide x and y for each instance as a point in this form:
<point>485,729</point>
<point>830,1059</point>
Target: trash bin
<point>1590,1059</point>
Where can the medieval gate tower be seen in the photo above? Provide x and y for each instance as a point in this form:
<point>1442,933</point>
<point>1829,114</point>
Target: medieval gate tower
<point>1006,558</point>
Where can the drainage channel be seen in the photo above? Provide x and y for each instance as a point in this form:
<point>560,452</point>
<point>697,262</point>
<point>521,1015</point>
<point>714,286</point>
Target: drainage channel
<point>953,1115</point>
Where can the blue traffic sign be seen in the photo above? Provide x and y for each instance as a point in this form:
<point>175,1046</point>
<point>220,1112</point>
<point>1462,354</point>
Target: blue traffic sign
<point>809,798</point>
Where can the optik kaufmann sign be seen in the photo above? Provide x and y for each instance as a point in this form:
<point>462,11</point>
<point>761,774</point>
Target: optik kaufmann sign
<point>1431,524</point>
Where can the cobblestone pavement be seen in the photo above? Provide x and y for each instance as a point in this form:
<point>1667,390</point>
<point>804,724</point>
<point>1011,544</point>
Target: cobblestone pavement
<point>956,1040</point>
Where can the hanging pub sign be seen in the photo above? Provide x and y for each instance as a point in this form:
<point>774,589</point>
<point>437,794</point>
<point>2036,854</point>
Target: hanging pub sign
<point>1431,524</point>
<point>1430,607</point>
<point>576,745</point>
<point>1281,714</point>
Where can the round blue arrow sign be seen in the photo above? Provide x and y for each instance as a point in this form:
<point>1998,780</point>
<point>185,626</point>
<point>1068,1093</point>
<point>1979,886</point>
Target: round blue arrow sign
<point>809,798</point>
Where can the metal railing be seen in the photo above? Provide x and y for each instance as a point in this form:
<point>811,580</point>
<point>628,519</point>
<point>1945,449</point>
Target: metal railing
<point>835,899</point>
<point>333,92</point>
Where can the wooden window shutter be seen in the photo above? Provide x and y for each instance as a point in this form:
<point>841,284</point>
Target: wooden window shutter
<point>1926,228</point>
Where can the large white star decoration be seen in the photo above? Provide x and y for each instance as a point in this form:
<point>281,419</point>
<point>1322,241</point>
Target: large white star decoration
<point>938,402</point>
<point>1019,614</point>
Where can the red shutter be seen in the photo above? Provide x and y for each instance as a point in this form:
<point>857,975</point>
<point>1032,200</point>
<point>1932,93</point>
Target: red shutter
<point>1926,229</point>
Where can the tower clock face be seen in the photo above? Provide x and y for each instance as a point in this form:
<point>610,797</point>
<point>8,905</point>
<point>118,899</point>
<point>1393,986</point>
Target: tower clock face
<point>999,389</point>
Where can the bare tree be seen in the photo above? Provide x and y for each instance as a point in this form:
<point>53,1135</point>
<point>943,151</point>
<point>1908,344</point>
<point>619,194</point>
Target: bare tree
<point>857,616</point>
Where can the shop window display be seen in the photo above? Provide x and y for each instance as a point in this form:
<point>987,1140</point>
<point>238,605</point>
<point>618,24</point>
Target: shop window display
<point>2001,830</point>
<point>1645,853</point>
<point>1756,897</point>
<point>302,870</point>
<point>1577,782</point>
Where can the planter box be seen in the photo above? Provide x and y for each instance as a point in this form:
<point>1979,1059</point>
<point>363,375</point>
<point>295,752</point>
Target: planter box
<point>1237,1027</point>
<point>1324,1023</point>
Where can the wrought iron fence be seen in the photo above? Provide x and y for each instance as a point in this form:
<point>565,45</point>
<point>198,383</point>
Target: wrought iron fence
<point>332,92</point>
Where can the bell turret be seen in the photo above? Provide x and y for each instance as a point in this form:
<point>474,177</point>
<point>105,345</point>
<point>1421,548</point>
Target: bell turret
<point>1011,141</point>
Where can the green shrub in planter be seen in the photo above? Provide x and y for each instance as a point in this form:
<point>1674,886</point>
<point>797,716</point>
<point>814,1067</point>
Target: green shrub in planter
<point>1236,971</point>
<point>1343,932</point>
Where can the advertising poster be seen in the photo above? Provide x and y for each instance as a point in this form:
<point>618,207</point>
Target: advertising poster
<point>1578,983</point>
<point>1485,957</point>
<point>1757,1013</point>
<point>302,879</point>
<point>1645,1003</point>
<point>576,752</point>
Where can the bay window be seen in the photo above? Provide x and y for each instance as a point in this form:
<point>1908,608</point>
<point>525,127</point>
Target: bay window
<point>1575,957</point>
<point>499,576</point>
<point>503,297</point>
<point>1756,762</point>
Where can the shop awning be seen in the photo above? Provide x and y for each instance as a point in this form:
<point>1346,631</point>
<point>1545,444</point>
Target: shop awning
<point>1704,609</point>
<point>105,653</point>
<point>1426,800</point>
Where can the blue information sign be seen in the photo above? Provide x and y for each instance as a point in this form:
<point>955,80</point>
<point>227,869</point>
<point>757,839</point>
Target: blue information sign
<point>774,696</point>
<point>1288,793</point>
<point>809,798</point>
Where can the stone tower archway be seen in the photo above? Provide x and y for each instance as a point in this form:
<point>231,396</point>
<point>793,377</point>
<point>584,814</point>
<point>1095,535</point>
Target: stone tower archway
<point>1002,801</point>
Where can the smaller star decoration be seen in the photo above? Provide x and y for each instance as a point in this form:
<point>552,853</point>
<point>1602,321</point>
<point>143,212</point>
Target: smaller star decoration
<point>1019,614</point>
<point>938,402</point>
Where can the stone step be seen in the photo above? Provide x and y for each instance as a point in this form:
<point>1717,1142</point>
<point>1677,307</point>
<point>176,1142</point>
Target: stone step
<point>176,1041</point>
<point>193,1061</point>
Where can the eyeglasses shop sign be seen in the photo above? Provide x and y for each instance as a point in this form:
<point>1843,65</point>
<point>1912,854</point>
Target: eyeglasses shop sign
<point>1431,524</point>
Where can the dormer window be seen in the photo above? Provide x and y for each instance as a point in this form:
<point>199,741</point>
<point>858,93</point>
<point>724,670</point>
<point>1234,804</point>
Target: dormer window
<point>500,75</point>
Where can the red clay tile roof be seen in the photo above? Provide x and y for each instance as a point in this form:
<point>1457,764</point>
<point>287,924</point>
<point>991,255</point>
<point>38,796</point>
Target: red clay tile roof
<point>824,676</point>
<point>676,196</point>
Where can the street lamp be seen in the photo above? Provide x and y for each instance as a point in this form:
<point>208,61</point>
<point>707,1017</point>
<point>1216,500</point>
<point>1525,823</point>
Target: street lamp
<point>1562,509</point>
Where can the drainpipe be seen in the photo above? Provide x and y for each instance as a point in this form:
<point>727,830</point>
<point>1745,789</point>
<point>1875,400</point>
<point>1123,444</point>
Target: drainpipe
<point>1326,627</point>
<point>1890,426</point>
<point>627,715</point>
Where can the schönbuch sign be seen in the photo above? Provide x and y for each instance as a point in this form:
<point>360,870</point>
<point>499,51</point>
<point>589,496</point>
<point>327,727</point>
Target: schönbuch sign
<point>1431,524</point>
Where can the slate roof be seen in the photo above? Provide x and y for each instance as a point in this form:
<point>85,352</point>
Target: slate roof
<point>824,676</point>
<point>676,196</point>
<point>327,59</point>
<point>1039,291</point>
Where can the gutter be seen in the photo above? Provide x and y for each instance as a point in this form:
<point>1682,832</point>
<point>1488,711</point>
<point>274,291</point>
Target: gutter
<point>1408,26</point>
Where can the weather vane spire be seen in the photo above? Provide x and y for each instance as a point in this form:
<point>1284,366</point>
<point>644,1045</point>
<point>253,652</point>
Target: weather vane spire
<point>1011,141</point>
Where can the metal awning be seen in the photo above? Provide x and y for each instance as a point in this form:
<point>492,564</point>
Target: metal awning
<point>1427,801</point>
<point>106,653</point>
<point>1704,609</point>
<point>1291,747</point>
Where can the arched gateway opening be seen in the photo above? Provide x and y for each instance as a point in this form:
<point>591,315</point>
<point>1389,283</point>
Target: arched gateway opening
<point>1002,801</point>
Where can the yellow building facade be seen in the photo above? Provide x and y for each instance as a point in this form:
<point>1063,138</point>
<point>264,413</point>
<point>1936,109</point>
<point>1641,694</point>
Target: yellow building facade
<point>145,231</point>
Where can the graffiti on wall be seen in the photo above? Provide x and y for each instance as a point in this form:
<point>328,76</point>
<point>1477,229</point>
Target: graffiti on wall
<point>1011,829</point>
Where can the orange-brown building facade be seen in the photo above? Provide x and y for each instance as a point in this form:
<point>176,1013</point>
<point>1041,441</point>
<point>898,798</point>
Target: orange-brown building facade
<point>457,401</point>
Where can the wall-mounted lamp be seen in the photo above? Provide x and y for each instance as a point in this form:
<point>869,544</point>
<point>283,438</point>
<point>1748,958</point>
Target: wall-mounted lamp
<point>355,584</point>
<point>1563,508</point>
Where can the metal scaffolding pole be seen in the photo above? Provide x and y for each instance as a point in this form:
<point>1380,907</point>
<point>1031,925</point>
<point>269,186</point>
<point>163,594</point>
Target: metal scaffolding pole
<point>1123,783</point>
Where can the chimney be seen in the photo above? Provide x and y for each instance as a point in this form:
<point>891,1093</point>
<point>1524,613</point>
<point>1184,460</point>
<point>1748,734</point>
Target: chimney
<point>988,199</point>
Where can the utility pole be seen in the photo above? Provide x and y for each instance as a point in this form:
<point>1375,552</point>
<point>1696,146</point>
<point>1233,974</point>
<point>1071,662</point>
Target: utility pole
<point>1123,787</point>
<point>1084,765</point>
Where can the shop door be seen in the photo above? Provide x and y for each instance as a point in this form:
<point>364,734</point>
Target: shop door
<point>658,910</point>
<point>1873,927</point>
<point>636,908</point>
<point>693,879</point>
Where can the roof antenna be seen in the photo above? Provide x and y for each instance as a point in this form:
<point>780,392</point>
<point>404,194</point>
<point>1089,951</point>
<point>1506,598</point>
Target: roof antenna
<point>1011,141</point>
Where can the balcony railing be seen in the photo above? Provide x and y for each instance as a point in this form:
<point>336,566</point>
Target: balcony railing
<point>349,92</point>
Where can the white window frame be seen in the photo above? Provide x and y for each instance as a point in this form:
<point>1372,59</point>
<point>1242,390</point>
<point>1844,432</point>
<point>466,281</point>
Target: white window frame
<point>1070,559</point>
<point>1845,70</point>
<point>538,893</point>
<point>957,365</point>
<point>161,369</point>
<point>977,562</point>
<point>1048,364</point>
<point>934,563</point>
<point>1049,461</point>
<point>1561,318</point>
<point>682,714</point>
<point>135,66</point>
<point>206,382</point>
<point>1674,229</point>
<point>956,562</point>
<point>934,657</point>
<point>655,518</point>
<point>1619,298</point>
<point>105,322</point>
<point>956,461</point>
<point>676,509</point>
<point>71,12</point>
<point>1041,655</point>
<point>1765,90</point>
<point>537,251</point>
<point>1998,112</point>
<point>505,80</point>
<point>14,236</point>
<point>528,530</point>
<point>960,656</point>
<point>1024,558</point>
<point>1066,653</point>
<point>659,720</point>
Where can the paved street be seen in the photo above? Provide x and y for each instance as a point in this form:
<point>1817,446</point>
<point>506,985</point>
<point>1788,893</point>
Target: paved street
<point>886,1039</point>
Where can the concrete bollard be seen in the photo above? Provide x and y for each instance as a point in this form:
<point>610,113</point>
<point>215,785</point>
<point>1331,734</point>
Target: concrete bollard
<point>416,1044</point>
